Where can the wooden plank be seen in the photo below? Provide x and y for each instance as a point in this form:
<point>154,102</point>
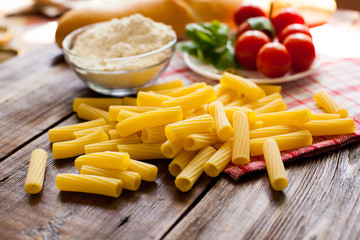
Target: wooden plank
<point>147,213</point>
<point>321,202</point>
<point>34,95</point>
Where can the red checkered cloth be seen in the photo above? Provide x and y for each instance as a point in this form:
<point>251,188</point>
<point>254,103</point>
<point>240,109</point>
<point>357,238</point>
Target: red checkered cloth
<point>339,77</point>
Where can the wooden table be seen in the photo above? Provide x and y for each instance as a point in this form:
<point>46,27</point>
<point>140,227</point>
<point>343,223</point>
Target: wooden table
<point>36,93</point>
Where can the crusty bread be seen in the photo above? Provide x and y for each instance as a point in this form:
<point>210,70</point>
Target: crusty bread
<point>178,13</point>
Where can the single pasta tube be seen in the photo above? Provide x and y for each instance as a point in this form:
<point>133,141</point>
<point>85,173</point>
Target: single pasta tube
<point>65,133</point>
<point>191,173</point>
<point>274,165</point>
<point>131,180</point>
<point>75,147</point>
<point>114,110</point>
<point>153,135</point>
<point>124,114</point>
<point>273,130</point>
<point>262,101</point>
<point>276,105</point>
<point>147,171</point>
<point>186,90</point>
<point>291,117</point>
<point>149,119</point>
<point>239,102</point>
<point>102,103</point>
<point>84,132</point>
<point>143,151</point>
<point>89,184</point>
<point>285,142</point>
<point>128,101</point>
<point>329,104</point>
<point>151,99</point>
<point>223,128</point>
<point>177,83</point>
<point>36,172</point>
<point>269,89</point>
<point>193,100</point>
<point>229,111</point>
<point>330,127</point>
<point>110,145</point>
<point>170,148</point>
<point>241,141</point>
<point>112,160</point>
<point>220,159</point>
<point>181,129</point>
<point>88,112</point>
<point>241,85</point>
<point>227,96</point>
<point>198,141</point>
<point>256,125</point>
<point>324,116</point>
<point>180,161</point>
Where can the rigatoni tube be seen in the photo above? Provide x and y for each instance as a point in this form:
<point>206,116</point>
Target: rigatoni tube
<point>241,145</point>
<point>180,161</point>
<point>35,174</point>
<point>329,104</point>
<point>220,159</point>
<point>330,127</point>
<point>113,160</point>
<point>223,128</point>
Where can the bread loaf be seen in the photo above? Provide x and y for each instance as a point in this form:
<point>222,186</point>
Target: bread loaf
<point>178,13</point>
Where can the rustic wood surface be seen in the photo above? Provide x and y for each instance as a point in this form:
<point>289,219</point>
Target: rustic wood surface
<point>36,92</point>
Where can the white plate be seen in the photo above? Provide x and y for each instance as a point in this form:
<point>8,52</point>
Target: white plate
<point>207,70</point>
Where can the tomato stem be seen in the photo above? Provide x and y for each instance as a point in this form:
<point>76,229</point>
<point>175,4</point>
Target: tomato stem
<point>271,10</point>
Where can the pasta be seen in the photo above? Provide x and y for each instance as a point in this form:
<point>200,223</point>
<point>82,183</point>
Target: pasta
<point>143,151</point>
<point>147,171</point>
<point>273,130</point>
<point>229,111</point>
<point>275,105</point>
<point>274,165</point>
<point>186,90</point>
<point>131,180</point>
<point>149,119</point>
<point>170,148</point>
<point>89,184</point>
<point>114,110</point>
<point>262,101</point>
<point>35,174</point>
<point>197,111</point>
<point>112,160</point>
<point>198,141</point>
<point>241,85</point>
<point>180,161</point>
<point>151,99</point>
<point>256,125</point>
<point>324,116</point>
<point>82,133</point>
<point>110,145</point>
<point>330,127</point>
<point>285,142</point>
<point>88,112</point>
<point>75,147</point>
<point>238,102</point>
<point>193,100</point>
<point>102,103</point>
<point>65,133</point>
<point>220,159</point>
<point>223,128</point>
<point>227,96</point>
<point>219,89</point>
<point>124,114</point>
<point>153,135</point>
<point>191,173</point>
<point>329,104</point>
<point>291,117</point>
<point>241,145</point>
<point>128,101</point>
<point>181,129</point>
<point>269,89</point>
<point>177,83</point>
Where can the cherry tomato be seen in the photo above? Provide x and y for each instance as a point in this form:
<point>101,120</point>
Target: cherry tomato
<point>247,47</point>
<point>284,17</point>
<point>246,11</point>
<point>293,28</point>
<point>302,51</point>
<point>273,60</point>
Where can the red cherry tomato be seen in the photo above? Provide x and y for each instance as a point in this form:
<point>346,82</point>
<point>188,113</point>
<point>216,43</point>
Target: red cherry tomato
<point>293,28</point>
<point>247,47</point>
<point>302,51</point>
<point>284,17</point>
<point>246,11</point>
<point>273,60</point>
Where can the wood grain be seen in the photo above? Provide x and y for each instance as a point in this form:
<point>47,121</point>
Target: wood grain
<point>321,202</point>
